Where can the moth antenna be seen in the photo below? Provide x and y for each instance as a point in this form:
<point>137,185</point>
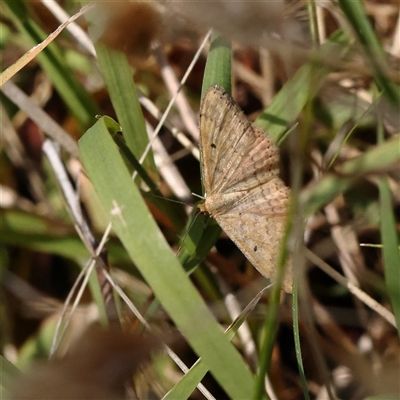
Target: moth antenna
<point>171,200</point>
<point>197,195</point>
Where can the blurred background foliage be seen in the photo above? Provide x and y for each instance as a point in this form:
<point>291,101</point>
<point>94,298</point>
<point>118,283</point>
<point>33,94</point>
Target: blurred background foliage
<point>321,78</point>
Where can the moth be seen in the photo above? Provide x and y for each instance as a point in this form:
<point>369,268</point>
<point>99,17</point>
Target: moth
<point>243,190</point>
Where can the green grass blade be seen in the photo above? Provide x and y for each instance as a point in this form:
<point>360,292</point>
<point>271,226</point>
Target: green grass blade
<point>8,373</point>
<point>219,65</point>
<point>33,232</point>
<point>187,384</point>
<point>390,250</point>
<point>185,387</point>
<point>204,232</point>
<point>297,342</point>
<point>155,197</point>
<point>291,99</point>
<point>379,158</point>
<point>357,16</point>
<point>71,91</point>
<point>151,254</point>
<point>118,76</point>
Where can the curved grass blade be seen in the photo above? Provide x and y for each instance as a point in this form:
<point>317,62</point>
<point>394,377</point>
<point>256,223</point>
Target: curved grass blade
<point>147,247</point>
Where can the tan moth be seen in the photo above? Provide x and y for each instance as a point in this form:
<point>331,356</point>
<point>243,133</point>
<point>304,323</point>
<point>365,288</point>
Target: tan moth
<point>243,191</point>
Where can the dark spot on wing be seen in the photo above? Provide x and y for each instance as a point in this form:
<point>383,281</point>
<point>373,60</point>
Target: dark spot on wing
<point>255,248</point>
<point>213,146</point>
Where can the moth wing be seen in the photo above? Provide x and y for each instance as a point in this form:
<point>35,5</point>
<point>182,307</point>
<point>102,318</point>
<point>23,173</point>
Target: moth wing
<point>262,246</point>
<point>235,156</point>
